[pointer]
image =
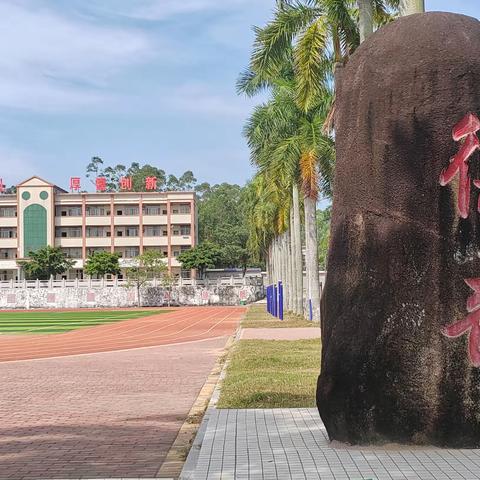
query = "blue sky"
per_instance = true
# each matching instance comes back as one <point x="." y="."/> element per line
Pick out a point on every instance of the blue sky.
<point x="151" y="81"/>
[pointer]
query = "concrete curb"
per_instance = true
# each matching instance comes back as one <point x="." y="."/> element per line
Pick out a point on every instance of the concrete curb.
<point x="190" y="436"/>
<point x="190" y="465"/>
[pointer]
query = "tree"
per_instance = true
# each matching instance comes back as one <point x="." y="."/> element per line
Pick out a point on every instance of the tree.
<point x="139" y="175"/>
<point x="168" y="281"/>
<point x="409" y="7"/>
<point x="235" y="256"/>
<point x="206" y="255"/>
<point x="323" y="235"/>
<point x="102" y="263"/>
<point x="147" y="266"/>
<point x="365" y="19"/>
<point x="46" y="262"/>
<point x="287" y="141"/>
<point x="314" y="35"/>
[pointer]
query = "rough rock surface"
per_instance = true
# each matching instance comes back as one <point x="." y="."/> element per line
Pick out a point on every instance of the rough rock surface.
<point x="399" y="250"/>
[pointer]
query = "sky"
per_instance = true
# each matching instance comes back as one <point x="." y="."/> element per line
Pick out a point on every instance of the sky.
<point x="148" y="81"/>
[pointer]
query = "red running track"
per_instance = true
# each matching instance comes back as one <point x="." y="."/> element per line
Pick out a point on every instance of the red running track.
<point x="181" y="325"/>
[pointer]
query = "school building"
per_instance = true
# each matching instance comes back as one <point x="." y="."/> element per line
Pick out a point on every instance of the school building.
<point x="125" y="222"/>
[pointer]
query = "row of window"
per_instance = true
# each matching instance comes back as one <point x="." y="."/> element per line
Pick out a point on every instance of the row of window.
<point x="101" y="232"/>
<point x="127" y="252"/>
<point x="102" y="211"/>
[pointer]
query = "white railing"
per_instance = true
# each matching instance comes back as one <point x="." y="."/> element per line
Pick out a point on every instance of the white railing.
<point x="231" y="280"/>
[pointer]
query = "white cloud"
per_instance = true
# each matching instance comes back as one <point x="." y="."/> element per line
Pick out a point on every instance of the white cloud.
<point x="202" y="100"/>
<point x="163" y="9"/>
<point x="53" y="62"/>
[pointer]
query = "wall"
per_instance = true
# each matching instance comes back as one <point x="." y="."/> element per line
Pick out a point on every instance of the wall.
<point x="113" y="297"/>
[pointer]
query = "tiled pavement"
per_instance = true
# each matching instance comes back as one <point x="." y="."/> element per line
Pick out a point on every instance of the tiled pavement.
<point x="104" y="415"/>
<point x="292" y="444"/>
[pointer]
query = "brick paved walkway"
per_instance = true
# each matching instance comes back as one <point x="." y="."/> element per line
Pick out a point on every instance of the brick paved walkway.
<point x="101" y="415"/>
<point x="181" y="325"/>
<point x="292" y="444"/>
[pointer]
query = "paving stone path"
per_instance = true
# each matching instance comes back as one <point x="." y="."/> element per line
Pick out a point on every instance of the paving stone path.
<point x="292" y="444"/>
<point x="112" y="414"/>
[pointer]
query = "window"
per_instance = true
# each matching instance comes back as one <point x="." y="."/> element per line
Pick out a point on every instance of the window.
<point x="152" y="210"/>
<point x="131" y="252"/>
<point x="131" y="211"/>
<point x="97" y="232"/>
<point x="119" y="212"/>
<point x="74" y="211"/>
<point x="8" y="253"/>
<point x="72" y="252"/>
<point x="8" y="212"/>
<point x="131" y="232"/>
<point x="152" y="231"/>
<point x="181" y="208"/>
<point x="164" y="232"/>
<point x="68" y="232"/>
<point x="164" y="211"/>
<point x="184" y="229"/>
<point x="119" y="233"/>
<point x="97" y="211"/>
<point x="8" y="233"/>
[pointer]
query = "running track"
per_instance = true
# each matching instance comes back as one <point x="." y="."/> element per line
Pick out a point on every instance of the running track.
<point x="180" y="326"/>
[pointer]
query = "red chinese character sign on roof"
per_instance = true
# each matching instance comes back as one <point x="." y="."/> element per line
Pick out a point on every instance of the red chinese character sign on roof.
<point x="464" y="130"/>
<point x="75" y="184"/>
<point x="470" y="324"/>
<point x="151" y="183"/>
<point x="2" y="186"/>
<point x="101" y="184"/>
<point x="126" y="183"/>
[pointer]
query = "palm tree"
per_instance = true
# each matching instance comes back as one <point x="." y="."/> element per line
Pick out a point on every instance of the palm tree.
<point x="316" y="34"/>
<point x="287" y="143"/>
<point x="409" y="7"/>
<point x="365" y="19"/>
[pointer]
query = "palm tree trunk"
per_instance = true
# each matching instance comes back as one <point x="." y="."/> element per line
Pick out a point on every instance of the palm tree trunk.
<point x="409" y="7"/>
<point x="311" y="256"/>
<point x="293" y="276"/>
<point x="298" y="251"/>
<point x="365" y="19"/>
<point x="289" y="283"/>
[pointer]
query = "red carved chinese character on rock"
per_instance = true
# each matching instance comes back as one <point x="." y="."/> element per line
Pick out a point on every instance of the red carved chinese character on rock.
<point x="2" y="186"/>
<point x="75" y="184"/>
<point x="126" y="183"/>
<point x="101" y="184"/>
<point x="464" y="130"/>
<point x="470" y="324"/>
<point x="151" y="183"/>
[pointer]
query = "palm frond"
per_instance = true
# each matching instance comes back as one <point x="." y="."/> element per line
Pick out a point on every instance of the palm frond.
<point x="311" y="63"/>
<point x="309" y="174"/>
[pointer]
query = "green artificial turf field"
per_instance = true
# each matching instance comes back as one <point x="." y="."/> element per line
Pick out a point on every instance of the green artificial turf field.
<point x="58" y="322"/>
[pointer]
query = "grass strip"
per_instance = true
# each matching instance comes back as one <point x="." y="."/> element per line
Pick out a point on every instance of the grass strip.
<point x="271" y="374"/>
<point x="258" y="317"/>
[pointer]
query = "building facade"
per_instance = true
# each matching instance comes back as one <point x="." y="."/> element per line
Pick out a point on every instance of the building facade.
<point x="127" y="223"/>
